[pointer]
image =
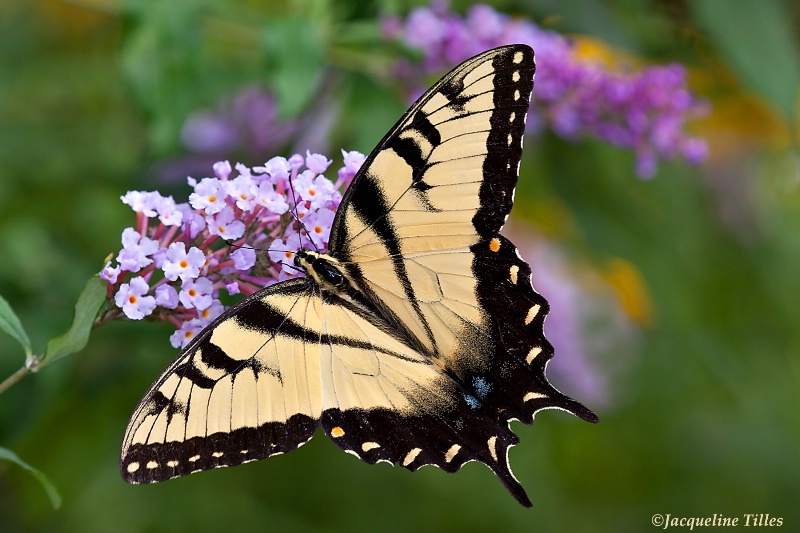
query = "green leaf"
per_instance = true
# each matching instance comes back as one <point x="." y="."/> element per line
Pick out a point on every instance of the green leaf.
<point x="47" y="484"/>
<point x="756" y="39"/>
<point x="89" y="302"/>
<point x="11" y="325"/>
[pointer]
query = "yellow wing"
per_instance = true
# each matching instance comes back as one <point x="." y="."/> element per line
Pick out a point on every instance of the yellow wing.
<point x="287" y="360"/>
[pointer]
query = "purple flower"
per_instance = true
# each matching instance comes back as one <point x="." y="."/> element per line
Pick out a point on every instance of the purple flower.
<point x="196" y="293"/>
<point x="282" y="252"/>
<point x="168" y="212"/>
<point x="267" y="196"/>
<point x="212" y="311"/>
<point x="644" y="111"/>
<point x="142" y="202"/>
<point x="424" y="29"/>
<point x="232" y="287"/>
<point x="209" y="195"/>
<point x="352" y="162"/>
<point x="695" y="150"/>
<point x="110" y="273"/>
<point x="296" y="162"/>
<point x="225" y="225"/>
<point x="182" y="264"/>
<point x="319" y="227"/>
<point x="167" y="297"/>
<point x="193" y="222"/>
<point x="277" y="168"/>
<point x="136" y="251"/>
<point x="243" y="205"/>
<point x="315" y="190"/>
<point x="244" y="258"/>
<point x="484" y="23"/>
<point x="131" y="298"/>
<point x="242" y="189"/>
<point x="187" y="332"/>
<point x="317" y="163"/>
<point x="222" y="169"/>
<point x="209" y="132"/>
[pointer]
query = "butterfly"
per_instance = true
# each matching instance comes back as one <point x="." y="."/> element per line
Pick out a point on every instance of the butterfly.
<point x="415" y="340"/>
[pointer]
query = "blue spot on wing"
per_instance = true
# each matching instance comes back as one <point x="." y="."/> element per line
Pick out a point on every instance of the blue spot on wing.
<point x="481" y="386"/>
<point x="472" y="401"/>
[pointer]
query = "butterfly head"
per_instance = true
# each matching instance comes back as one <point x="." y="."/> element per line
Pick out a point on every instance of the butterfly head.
<point x="323" y="269"/>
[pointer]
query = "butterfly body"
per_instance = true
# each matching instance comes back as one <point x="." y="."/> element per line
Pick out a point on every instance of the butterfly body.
<point x="415" y="340"/>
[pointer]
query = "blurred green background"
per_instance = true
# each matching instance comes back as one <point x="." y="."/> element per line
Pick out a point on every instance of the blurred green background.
<point x="703" y="415"/>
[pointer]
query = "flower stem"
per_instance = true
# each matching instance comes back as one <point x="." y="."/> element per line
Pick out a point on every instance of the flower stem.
<point x="13" y="378"/>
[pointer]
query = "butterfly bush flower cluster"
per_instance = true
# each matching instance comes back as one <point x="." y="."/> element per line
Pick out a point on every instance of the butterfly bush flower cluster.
<point x="180" y="257"/>
<point x="645" y="111"/>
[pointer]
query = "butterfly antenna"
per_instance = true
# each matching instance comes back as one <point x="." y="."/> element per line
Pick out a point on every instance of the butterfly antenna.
<point x="297" y="218"/>
<point x="283" y="263"/>
<point x="230" y="244"/>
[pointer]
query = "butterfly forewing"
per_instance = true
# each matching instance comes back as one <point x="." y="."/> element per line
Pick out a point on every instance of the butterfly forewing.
<point x="225" y="399"/>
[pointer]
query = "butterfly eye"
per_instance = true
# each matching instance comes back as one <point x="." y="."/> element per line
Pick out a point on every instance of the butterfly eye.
<point x="300" y="254"/>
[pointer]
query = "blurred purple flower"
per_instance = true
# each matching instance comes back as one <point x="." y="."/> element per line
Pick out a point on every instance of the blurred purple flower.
<point x="644" y="111"/>
<point x="246" y="123"/>
<point x="590" y="332"/>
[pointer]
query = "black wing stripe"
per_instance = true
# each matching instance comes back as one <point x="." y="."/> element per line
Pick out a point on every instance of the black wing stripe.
<point x="504" y="156"/>
<point x="371" y="207"/>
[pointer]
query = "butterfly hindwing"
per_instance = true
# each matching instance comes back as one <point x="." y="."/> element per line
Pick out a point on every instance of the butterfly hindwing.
<point x="447" y="438"/>
<point x="515" y="381"/>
